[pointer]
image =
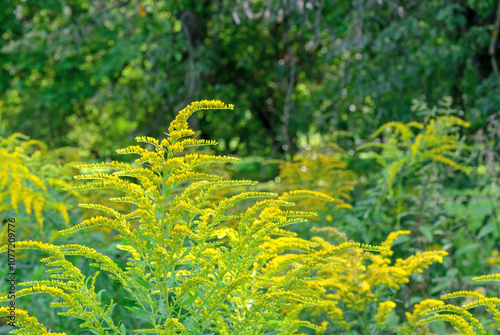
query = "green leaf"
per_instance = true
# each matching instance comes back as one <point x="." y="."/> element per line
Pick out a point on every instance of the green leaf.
<point x="138" y="262"/>
<point x="87" y="280"/>
<point x="191" y="298"/>
<point x="162" y="307"/>
<point x="200" y="293"/>
<point x="216" y="275"/>
<point x="158" y="214"/>
<point x="150" y="196"/>
<point x="467" y="248"/>
<point x="186" y="252"/>
<point x="427" y="232"/>
<point x="401" y="239"/>
<point x="145" y="284"/>
<point x="452" y="273"/>
<point x="110" y="308"/>
<point x="99" y="295"/>
<point x="488" y="228"/>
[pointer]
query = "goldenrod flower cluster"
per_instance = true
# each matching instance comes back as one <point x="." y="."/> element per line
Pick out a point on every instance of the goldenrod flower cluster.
<point x="494" y="259"/>
<point x="26" y="324"/>
<point x="358" y="280"/>
<point x="384" y="308"/>
<point x="21" y="181"/>
<point x="459" y="317"/>
<point x="435" y="142"/>
<point x="313" y="169"/>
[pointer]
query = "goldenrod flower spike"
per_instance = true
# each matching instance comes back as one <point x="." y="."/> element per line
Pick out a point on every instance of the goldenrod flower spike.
<point x="491" y="277"/>
<point x="26" y="324"/>
<point x="456" y="321"/>
<point x="403" y="148"/>
<point x="462" y="320"/>
<point x="21" y="181"/>
<point x="384" y="308"/>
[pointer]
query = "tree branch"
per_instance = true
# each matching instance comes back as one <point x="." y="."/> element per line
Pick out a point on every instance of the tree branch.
<point x="493" y="42"/>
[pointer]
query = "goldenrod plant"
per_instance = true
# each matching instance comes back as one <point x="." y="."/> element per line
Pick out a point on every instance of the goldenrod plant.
<point x="413" y="145"/>
<point x="26" y="323"/>
<point x="320" y="167"/>
<point x="192" y="268"/>
<point x="414" y="159"/>
<point x="360" y="287"/>
<point x="413" y="326"/>
<point x="458" y="316"/>
<point x="30" y="183"/>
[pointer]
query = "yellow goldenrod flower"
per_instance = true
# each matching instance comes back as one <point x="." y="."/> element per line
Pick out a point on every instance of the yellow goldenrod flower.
<point x="384" y="308"/>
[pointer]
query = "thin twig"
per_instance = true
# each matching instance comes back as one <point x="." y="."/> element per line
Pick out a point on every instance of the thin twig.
<point x="493" y="42"/>
<point x="191" y="76"/>
<point x="288" y="100"/>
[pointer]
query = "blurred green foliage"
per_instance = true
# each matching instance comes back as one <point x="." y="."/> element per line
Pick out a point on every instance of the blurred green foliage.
<point x="74" y="70"/>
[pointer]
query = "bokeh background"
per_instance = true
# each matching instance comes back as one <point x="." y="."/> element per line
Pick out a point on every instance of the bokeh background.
<point x="95" y="74"/>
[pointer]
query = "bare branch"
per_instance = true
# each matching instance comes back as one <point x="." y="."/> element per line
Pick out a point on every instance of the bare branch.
<point x="493" y="42"/>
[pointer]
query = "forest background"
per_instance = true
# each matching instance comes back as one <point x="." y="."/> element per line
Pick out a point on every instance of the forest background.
<point x="311" y="82"/>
